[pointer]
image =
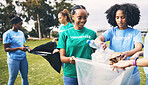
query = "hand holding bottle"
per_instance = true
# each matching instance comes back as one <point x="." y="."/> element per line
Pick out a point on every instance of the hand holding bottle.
<point x="103" y="45"/>
<point x="97" y="45"/>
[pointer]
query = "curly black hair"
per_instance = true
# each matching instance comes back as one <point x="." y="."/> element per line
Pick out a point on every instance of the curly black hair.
<point x="131" y="12"/>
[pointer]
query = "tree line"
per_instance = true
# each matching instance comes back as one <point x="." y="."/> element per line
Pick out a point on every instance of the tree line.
<point x="43" y="12"/>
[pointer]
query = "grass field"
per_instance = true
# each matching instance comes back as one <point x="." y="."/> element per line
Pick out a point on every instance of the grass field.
<point x="40" y="71"/>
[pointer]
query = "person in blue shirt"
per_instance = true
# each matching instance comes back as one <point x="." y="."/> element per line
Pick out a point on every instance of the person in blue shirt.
<point x="13" y="41"/>
<point x="143" y="62"/>
<point x="123" y="37"/>
<point x="146" y="56"/>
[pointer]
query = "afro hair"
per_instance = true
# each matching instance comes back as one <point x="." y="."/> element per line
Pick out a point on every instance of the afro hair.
<point x="131" y="12"/>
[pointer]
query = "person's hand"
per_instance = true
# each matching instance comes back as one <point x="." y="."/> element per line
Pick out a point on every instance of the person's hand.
<point x="124" y="55"/>
<point x="55" y="50"/>
<point x="122" y="65"/>
<point x="115" y="57"/>
<point x="72" y="60"/>
<point x="117" y="69"/>
<point x="134" y="56"/>
<point x="54" y="40"/>
<point x="22" y="49"/>
<point x="28" y="49"/>
<point x="102" y="45"/>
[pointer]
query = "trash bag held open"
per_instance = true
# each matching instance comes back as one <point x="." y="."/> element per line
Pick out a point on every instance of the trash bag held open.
<point x="98" y="71"/>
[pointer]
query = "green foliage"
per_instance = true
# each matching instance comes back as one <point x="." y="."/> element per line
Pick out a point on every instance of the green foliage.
<point x="55" y="34"/>
<point x="59" y="6"/>
<point x="47" y="13"/>
<point x="26" y="33"/>
<point x="33" y="33"/>
<point x="5" y="12"/>
<point x="46" y="9"/>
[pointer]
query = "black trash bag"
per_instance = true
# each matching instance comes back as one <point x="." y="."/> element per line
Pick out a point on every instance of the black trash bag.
<point x="47" y="47"/>
<point x="45" y="50"/>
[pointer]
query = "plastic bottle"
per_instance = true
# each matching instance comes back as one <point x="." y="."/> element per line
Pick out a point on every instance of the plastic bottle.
<point x="92" y="44"/>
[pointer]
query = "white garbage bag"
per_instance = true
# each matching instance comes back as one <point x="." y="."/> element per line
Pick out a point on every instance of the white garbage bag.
<point x="102" y="56"/>
<point x="91" y="72"/>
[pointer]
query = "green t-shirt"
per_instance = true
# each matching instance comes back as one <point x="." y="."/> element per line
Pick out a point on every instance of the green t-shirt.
<point x="63" y="28"/>
<point x="74" y="41"/>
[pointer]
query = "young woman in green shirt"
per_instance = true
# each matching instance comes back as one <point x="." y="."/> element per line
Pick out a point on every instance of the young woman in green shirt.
<point x="64" y="18"/>
<point x="72" y="44"/>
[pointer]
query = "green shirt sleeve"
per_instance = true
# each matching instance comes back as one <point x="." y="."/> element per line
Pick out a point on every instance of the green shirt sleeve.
<point x="62" y="41"/>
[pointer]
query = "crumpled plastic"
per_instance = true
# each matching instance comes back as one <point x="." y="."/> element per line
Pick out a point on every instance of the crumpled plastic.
<point x="98" y="71"/>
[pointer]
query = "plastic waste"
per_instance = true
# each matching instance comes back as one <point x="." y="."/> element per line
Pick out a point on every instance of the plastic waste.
<point x="100" y="55"/>
<point x="92" y="44"/>
<point x="94" y="73"/>
<point x="98" y="71"/>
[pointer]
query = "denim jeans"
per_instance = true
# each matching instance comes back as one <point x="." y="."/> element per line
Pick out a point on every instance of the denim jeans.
<point x="146" y="79"/>
<point x="135" y="78"/>
<point x="70" y="81"/>
<point x="14" y="66"/>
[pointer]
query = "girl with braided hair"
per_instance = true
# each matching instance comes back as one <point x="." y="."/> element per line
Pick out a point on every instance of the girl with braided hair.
<point x="72" y="44"/>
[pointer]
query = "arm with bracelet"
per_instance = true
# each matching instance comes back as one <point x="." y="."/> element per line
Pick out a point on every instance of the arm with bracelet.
<point x="142" y="62"/>
<point x="134" y="61"/>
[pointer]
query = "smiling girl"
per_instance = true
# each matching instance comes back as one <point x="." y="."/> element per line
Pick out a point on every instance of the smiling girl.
<point x="72" y="44"/>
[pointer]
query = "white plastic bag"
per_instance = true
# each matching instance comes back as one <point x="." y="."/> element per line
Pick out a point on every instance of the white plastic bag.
<point x="102" y="56"/>
<point x="98" y="71"/>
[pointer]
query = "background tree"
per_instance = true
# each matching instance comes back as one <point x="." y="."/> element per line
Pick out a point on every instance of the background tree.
<point x="32" y="7"/>
<point x="5" y="12"/>
<point x="59" y="6"/>
<point x="45" y="9"/>
<point x="47" y="13"/>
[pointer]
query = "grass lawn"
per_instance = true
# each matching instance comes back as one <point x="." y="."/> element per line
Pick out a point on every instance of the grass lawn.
<point x="40" y="71"/>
